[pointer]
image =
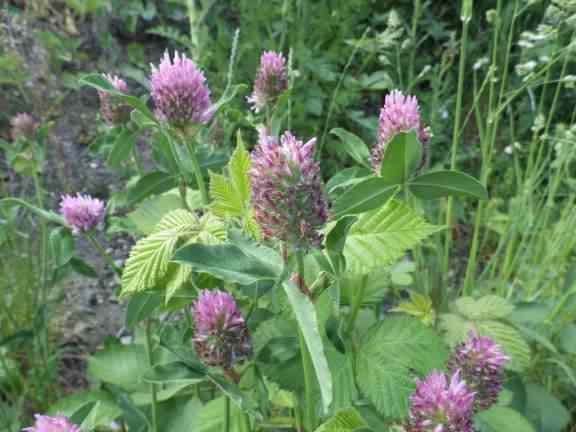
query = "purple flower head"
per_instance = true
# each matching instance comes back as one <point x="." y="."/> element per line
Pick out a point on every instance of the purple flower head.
<point x="440" y="404"/>
<point x="23" y="125"/>
<point x="114" y="111"/>
<point x="179" y="91"/>
<point x="220" y="334"/>
<point x="57" y="423"/>
<point x="399" y="114"/>
<point x="288" y="195"/>
<point x="271" y="80"/>
<point x="481" y="364"/>
<point x="82" y="212"/>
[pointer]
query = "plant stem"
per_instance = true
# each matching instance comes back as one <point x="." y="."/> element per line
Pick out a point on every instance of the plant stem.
<point x="198" y="173"/>
<point x="307" y="367"/>
<point x="356" y="304"/>
<point x="226" y="414"/>
<point x="105" y="256"/>
<point x="437" y="290"/>
<point x="152" y="386"/>
<point x="415" y="20"/>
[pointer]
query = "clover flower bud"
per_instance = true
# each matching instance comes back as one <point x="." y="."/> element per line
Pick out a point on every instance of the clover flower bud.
<point x="23" y="125"/>
<point x="271" y="80"/>
<point x="112" y="109"/>
<point x="82" y="212"/>
<point x="57" y="423"/>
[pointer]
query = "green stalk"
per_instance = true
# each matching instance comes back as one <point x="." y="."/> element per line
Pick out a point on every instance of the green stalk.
<point x="307" y="366"/>
<point x="437" y="291"/>
<point x="226" y="414"/>
<point x="415" y="19"/>
<point x="356" y="304"/>
<point x="152" y="386"/>
<point x="100" y="250"/>
<point x="198" y="174"/>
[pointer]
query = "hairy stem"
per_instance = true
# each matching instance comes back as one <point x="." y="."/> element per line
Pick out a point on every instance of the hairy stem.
<point x="105" y="256"/>
<point x="152" y="386"/>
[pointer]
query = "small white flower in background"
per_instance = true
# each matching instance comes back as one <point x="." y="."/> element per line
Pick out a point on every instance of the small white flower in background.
<point x="569" y="81"/>
<point x="481" y="62"/>
<point x="525" y="68"/>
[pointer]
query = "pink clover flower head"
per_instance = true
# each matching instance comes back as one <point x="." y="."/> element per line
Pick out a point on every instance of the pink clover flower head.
<point x="114" y="111"/>
<point x="221" y="336"/>
<point x="181" y="96"/>
<point x="399" y="114"/>
<point x="481" y="364"/>
<point x="271" y="80"/>
<point x="288" y="196"/>
<point x="82" y="212"/>
<point x="441" y="404"/>
<point x="23" y="125"/>
<point x="58" y="423"/>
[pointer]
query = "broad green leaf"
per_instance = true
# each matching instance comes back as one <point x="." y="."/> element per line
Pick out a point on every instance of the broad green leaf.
<point x="502" y="419"/>
<point x="307" y="319"/>
<point x="174" y="373"/>
<point x="123" y="145"/>
<point x="141" y="306"/>
<point x="389" y="355"/>
<point x="154" y="183"/>
<point x="336" y="238"/>
<point x="568" y="339"/>
<point x="381" y="236"/>
<point x="227" y="262"/>
<point x="447" y="183"/>
<point x="149" y="260"/>
<point x="102" y="408"/>
<point x="122" y="365"/>
<point x="209" y="418"/>
<point x="354" y="146"/>
<point x="545" y="411"/>
<point x="346" y="420"/>
<point x="401" y="157"/>
<point x="487" y="307"/>
<point x="364" y="196"/>
<point x="342" y="368"/>
<point x="83" y="268"/>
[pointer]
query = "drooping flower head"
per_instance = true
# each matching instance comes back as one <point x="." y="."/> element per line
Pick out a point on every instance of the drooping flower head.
<point x="288" y="196"/>
<point x="181" y="96"/>
<point x="82" y="212"/>
<point x="399" y="114"/>
<point x="481" y="364"/>
<point x="271" y="80"/>
<point x="23" y="125"/>
<point x="440" y="404"/>
<point x="221" y="337"/>
<point x="57" y="423"/>
<point x="114" y="111"/>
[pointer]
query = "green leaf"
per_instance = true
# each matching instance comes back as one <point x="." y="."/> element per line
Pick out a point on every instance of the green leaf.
<point x="81" y="267"/>
<point x="231" y="194"/>
<point x="346" y="420"/>
<point x="61" y="246"/>
<point x="545" y="411"/>
<point x="174" y="373"/>
<point x="336" y="238"/>
<point x="307" y="319"/>
<point x="502" y="419"/>
<point x="402" y="155"/>
<point x="568" y="339"/>
<point x="149" y="260"/>
<point x="342" y="367"/>
<point x="123" y="145"/>
<point x="389" y="354"/>
<point x="447" y="183"/>
<point x="140" y="307"/>
<point x="102" y="408"/>
<point x="227" y="262"/>
<point x="487" y="307"/>
<point x="154" y="183"/>
<point x="354" y="146"/>
<point x="122" y="365"/>
<point x="364" y="196"/>
<point x="384" y="235"/>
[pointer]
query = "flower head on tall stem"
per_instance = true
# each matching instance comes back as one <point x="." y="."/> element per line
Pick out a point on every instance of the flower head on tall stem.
<point x="114" y="111"/>
<point x="440" y="404"/>
<point x="181" y="96"/>
<point x="23" y="125"/>
<point x="58" y="423"/>
<point x="399" y="114"/>
<point x="82" y="212"/>
<point x="288" y="195"/>
<point x="271" y="81"/>
<point x="481" y="364"/>
<point x="221" y="336"/>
